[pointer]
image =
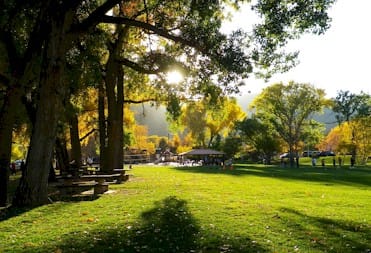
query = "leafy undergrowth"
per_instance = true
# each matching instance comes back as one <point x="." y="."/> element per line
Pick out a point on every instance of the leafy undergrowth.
<point x="205" y="209"/>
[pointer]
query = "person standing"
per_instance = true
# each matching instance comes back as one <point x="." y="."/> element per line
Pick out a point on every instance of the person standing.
<point x="297" y="161"/>
<point x="12" y="167"/>
<point x="352" y="161"/>
<point x="314" y="161"/>
<point x="23" y="167"/>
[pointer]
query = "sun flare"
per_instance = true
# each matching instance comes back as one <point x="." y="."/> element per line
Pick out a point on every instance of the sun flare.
<point x="174" y="77"/>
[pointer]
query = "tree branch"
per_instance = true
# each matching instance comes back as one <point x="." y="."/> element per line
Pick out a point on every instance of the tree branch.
<point x="135" y="66"/>
<point x="95" y="17"/>
<point x="87" y="135"/>
<point x="146" y="26"/>
<point x="131" y="101"/>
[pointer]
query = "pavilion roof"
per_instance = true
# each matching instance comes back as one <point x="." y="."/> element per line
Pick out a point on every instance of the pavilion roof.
<point x="202" y="152"/>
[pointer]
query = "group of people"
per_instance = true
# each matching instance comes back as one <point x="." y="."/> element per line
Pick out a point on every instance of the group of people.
<point x="13" y="167"/>
<point x="340" y="161"/>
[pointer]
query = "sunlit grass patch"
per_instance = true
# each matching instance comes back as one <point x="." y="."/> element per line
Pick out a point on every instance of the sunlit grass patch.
<point x="201" y="209"/>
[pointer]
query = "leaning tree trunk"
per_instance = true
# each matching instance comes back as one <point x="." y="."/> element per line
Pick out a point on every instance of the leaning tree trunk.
<point x="33" y="187"/>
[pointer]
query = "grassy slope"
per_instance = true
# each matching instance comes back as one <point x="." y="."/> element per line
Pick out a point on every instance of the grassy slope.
<point x="249" y="209"/>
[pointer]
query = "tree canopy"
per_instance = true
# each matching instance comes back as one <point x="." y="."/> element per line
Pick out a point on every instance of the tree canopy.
<point x="287" y="108"/>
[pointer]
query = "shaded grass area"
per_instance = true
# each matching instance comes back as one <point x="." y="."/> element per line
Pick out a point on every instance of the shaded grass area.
<point x="360" y="176"/>
<point x="204" y="209"/>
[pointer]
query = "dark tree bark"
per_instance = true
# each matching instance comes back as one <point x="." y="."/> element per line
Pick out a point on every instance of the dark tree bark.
<point x="7" y="117"/>
<point x="115" y="88"/>
<point x="75" y="141"/>
<point x="102" y="127"/>
<point x="62" y="155"/>
<point x="114" y="85"/>
<point x="33" y="187"/>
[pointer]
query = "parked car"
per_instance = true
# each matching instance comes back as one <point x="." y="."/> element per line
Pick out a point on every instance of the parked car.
<point x="287" y="155"/>
<point x="326" y="153"/>
<point x="284" y="155"/>
<point x="310" y="153"/>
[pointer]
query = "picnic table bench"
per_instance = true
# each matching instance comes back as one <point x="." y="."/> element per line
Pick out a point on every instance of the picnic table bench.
<point x="124" y="177"/>
<point x="103" y="181"/>
<point x="98" y="182"/>
<point x="76" y="187"/>
<point x="90" y="169"/>
<point x="101" y="178"/>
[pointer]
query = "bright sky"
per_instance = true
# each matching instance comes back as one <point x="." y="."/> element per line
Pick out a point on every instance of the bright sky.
<point x="338" y="60"/>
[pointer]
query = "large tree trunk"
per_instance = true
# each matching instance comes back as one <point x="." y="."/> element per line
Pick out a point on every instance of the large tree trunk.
<point x="115" y="100"/>
<point x="102" y="128"/>
<point x="7" y="116"/>
<point x="33" y="187"/>
<point x="115" y="116"/>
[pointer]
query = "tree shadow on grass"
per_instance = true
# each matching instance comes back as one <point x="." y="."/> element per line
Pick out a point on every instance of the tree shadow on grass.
<point x="328" y="176"/>
<point x="328" y="235"/>
<point x="10" y="211"/>
<point x="168" y="227"/>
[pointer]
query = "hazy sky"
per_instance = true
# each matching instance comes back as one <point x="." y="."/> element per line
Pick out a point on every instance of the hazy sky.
<point x="338" y="60"/>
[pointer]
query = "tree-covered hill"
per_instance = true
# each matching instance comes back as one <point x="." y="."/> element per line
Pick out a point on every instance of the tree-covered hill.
<point x="155" y="117"/>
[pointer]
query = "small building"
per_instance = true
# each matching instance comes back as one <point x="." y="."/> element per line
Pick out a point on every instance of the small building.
<point x="203" y="156"/>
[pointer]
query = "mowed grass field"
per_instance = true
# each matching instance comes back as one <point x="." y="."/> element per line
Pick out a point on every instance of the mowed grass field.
<point x="252" y="208"/>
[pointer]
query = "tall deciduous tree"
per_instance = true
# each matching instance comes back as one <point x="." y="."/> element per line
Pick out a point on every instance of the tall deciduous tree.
<point x="313" y="133"/>
<point x="287" y="109"/>
<point x="261" y="137"/>
<point x="205" y="122"/>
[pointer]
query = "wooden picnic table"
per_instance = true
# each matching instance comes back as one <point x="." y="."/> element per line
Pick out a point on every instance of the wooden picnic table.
<point x="90" y="169"/>
<point x="99" y="182"/>
<point x="101" y="178"/>
<point x="124" y="176"/>
<point x="103" y="181"/>
<point x="77" y="187"/>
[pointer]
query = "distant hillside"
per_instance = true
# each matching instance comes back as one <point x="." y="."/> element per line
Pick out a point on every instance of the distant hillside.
<point x="245" y="100"/>
<point x="328" y="118"/>
<point x="152" y="117"/>
<point x="155" y="117"/>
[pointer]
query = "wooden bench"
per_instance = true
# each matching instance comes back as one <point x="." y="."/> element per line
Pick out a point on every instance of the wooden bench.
<point x="76" y="187"/>
<point x="124" y="177"/>
<point x="90" y="169"/>
<point x="101" y="178"/>
<point x="73" y="185"/>
<point x="67" y="179"/>
<point x="101" y="188"/>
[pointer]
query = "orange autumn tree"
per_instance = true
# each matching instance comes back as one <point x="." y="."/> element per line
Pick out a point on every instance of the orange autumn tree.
<point x="354" y="111"/>
<point x="337" y="139"/>
<point x="141" y="141"/>
<point x="340" y="139"/>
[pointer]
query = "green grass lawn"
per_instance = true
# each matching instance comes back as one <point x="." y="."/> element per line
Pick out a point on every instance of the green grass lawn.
<point x="200" y="209"/>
